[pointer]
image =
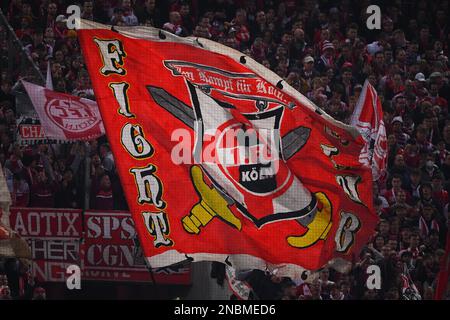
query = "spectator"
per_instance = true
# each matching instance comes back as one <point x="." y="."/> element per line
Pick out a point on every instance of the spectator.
<point x="308" y="73"/>
<point x="118" y="18"/>
<point x="68" y="194"/>
<point x="316" y="291"/>
<point x="239" y="25"/>
<point x="103" y="199"/>
<point x="107" y="158"/>
<point x="439" y="194"/>
<point x="148" y="14"/>
<point x="42" y="190"/>
<point x="397" y="128"/>
<point x="88" y="10"/>
<point x="130" y="18"/>
<point x="21" y="191"/>
<point x="426" y="196"/>
<point x="60" y="29"/>
<point x="346" y="290"/>
<point x="265" y="286"/>
<point x="392" y="194"/>
<point x="327" y="58"/>
<point x="5" y="293"/>
<point x="187" y="18"/>
<point x="325" y="284"/>
<point x="39" y="293"/>
<point x="49" y="18"/>
<point x="427" y="221"/>
<point x="413" y="248"/>
<point x="175" y="24"/>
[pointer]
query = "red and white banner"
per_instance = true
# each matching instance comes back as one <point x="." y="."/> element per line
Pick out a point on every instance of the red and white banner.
<point x="221" y="159"/>
<point x="111" y="254"/>
<point x="31" y="132"/>
<point x="368" y="118"/>
<point x="54" y="237"/>
<point x="104" y="247"/>
<point x="63" y="116"/>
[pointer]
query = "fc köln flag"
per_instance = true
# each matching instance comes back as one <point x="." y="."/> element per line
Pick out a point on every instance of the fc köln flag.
<point x="368" y="118"/>
<point x="63" y="116"/>
<point x="220" y="159"/>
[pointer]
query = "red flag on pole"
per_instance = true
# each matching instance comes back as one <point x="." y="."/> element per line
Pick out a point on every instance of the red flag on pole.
<point x="220" y="159"/>
<point x="49" y="79"/>
<point x="368" y="118"/>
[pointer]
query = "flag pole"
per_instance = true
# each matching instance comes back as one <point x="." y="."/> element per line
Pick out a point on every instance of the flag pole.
<point x="152" y="275"/>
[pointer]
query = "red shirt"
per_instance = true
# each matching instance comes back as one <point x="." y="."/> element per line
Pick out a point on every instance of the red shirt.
<point x="303" y="290"/>
<point x="104" y="200"/>
<point x="441" y="197"/>
<point x="436" y="101"/>
<point x="412" y="160"/>
<point x="242" y="34"/>
<point x="391" y="196"/>
<point x="420" y="92"/>
<point x="42" y="195"/>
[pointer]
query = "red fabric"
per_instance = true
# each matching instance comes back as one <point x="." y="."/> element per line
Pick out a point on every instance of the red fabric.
<point x="104" y="200"/>
<point x="63" y="116"/>
<point x="4" y="233"/>
<point x="112" y="233"/>
<point x="310" y="167"/>
<point x="101" y="243"/>
<point x="412" y="160"/>
<point x="54" y="236"/>
<point x="302" y="290"/>
<point x="442" y="280"/>
<point x="424" y="227"/>
<point x="242" y="34"/>
<point x="368" y="118"/>
<point x="43" y="195"/>
<point x="441" y="197"/>
<point x="391" y="196"/>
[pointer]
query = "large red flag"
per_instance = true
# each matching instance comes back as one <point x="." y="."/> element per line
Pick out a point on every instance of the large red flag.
<point x="220" y="159"/>
<point x="368" y="118"/>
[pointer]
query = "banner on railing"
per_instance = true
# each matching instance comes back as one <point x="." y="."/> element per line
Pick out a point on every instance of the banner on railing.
<point x="112" y="253"/>
<point x="30" y="131"/>
<point x="54" y="237"/>
<point x="103" y="244"/>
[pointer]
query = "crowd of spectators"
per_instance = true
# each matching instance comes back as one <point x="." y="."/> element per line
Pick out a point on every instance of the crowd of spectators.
<point x="324" y="50"/>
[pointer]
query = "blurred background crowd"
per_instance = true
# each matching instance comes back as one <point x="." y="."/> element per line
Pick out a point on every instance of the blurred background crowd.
<point x="324" y="50"/>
